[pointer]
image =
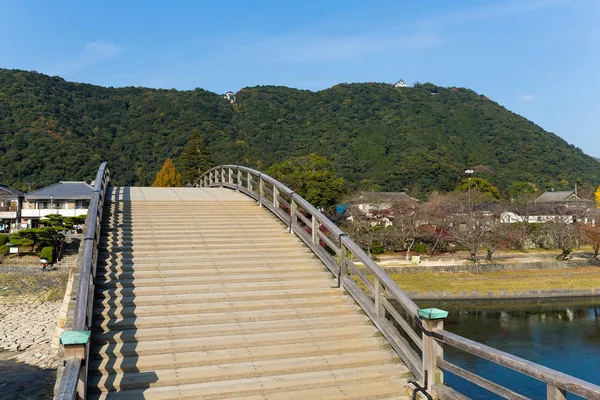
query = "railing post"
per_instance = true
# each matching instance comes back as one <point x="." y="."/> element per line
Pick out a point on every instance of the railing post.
<point x="261" y="190"/>
<point x="275" y="197"/>
<point x="554" y="393"/>
<point x="222" y="176"/>
<point x="293" y="216"/>
<point x="230" y="176"/>
<point x="239" y="178"/>
<point x="379" y="292"/>
<point x="249" y="182"/>
<point x="432" y="320"/>
<point x="314" y="228"/>
<point x="210" y="178"/>
<point x="343" y="266"/>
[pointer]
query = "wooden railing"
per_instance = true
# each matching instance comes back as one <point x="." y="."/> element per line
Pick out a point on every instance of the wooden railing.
<point x="418" y="340"/>
<point x="73" y="383"/>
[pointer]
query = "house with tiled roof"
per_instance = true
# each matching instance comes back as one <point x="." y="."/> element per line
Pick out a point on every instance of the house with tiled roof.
<point x="564" y="206"/>
<point x="11" y="202"/>
<point x="69" y="199"/>
<point x="558" y="197"/>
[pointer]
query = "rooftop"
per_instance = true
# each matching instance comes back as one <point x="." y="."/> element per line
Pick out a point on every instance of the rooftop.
<point x="63" y="190"/>
<point x="374" y="197"/>
<point x="7" y="191"/>
<point x="550" y="197"/>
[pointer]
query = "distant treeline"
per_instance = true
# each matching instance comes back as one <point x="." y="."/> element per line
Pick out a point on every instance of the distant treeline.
<point x="377" y="136"/>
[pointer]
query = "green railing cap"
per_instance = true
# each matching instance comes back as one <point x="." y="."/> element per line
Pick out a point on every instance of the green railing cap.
<point x="75" y="337"/>
<point x="432" y="313"/>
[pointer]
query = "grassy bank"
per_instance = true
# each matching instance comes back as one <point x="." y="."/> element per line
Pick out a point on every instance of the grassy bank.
<point x="48" y="286"/>
<point x="500" y="282"/>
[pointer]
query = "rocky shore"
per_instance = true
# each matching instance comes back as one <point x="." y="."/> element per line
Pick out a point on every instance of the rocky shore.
<point x="27" y="330"/>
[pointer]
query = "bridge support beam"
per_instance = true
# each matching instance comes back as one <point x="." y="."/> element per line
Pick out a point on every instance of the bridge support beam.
<point x="432" y="320"/>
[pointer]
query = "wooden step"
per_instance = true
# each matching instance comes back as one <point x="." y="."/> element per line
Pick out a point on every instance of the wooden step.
<point x="187" y="331"/>
<point x="213" y="373"/>
<point x="120" y="323"/>
<point x="104" y="300"/>
<point x="214" y="287"/>
<point x="227" y="356"/>
<point x="264" y="385"/>
<point x="131" y="349"/>
<point x="169" y="281"/>
<point x="218" y="307"/>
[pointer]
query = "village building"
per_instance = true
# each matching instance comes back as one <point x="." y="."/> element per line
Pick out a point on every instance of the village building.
<point x="11" y="202"/>
<point x="563" y="206"/>
<point x="69" y="199"/>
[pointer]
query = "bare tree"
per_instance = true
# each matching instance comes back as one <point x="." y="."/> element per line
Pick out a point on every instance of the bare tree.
<point x="470" y="227"/>
<point x="437" y="216"/>
<point x="561" y="228"/>
<point x="361" y="227"/>
<point x="406" y="218"/>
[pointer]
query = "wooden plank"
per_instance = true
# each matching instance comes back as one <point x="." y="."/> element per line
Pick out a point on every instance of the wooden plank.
<point x="480" y="381"/>
<point x="333" y="246"/>
<point x="392" y="287"/>
<point x="403" y="323"/>
<point x="362" y="277"/>
<point x="388" y="330"/>
<point x="544" y="374"/>
<point x="67" y="387"/>
<point x="305" y="220"/>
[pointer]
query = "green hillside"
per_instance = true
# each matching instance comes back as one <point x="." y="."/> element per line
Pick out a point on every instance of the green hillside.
<point x="377" y="135"/>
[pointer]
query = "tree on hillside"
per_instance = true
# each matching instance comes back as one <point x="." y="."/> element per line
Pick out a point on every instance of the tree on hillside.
<point x="167" y="176"/>
<point x="196" y="158"/>
<point x="312" y="177"/>
<point x="518" y="190"/>
<point x="479" y="185"/>
<point x="597" y="196"/>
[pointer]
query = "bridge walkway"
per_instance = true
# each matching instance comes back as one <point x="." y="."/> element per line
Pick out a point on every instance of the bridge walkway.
<point x="201" y="294"/>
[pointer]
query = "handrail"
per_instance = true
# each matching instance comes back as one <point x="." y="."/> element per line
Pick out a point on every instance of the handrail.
<point x="73" y="382"/>
<point x="324" y="238"/>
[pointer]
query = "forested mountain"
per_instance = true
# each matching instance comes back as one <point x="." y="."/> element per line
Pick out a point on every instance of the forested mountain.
<point x="378" y="136"/>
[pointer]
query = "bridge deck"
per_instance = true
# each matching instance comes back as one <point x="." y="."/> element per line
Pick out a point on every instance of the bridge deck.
<point x="202" y="294"/>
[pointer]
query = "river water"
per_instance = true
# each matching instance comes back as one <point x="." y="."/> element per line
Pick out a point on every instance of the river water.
<point x="563" y="334"/>
<point x="21" y="381"/>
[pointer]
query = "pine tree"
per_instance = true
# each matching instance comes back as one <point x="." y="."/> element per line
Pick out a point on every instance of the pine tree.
<point x="167" y="176"/>
<point x="196" y="158"/>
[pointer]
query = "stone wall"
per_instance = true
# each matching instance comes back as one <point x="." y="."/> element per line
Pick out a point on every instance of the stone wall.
<point x="485" y="267"/>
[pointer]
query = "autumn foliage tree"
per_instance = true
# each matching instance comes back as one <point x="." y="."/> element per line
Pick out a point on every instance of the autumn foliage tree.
<point x="167" y="176"/>
<point x="597" y="196"/>
<point x="592" y="234"/>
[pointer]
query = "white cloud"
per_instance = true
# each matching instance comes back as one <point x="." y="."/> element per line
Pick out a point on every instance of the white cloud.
<point x="101" y="50"/>
<point x="93" y="53"/>
<point x="526" y="97"/>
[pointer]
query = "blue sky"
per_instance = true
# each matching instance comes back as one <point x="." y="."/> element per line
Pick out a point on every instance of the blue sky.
<point x="538" y="58"/>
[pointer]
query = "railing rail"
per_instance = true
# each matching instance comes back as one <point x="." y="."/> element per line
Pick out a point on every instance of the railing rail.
<point x="73" y="383"/>
<point x="418" y="341"/>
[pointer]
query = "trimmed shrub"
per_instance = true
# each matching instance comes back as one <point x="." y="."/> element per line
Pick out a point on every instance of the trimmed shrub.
<point x="376" y="248"/>
<point x="48" y="254"/>
<point x="4" y="249"/>
<point x="3" y="239"/>
<point x="420" y="248"/>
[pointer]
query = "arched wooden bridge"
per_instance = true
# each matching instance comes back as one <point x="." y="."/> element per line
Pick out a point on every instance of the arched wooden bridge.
<point x="240" y="289"/>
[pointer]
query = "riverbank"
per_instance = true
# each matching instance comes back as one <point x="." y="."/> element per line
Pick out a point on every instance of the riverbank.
<point x="30" y="301"/>
<point x="547" y="283"/>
